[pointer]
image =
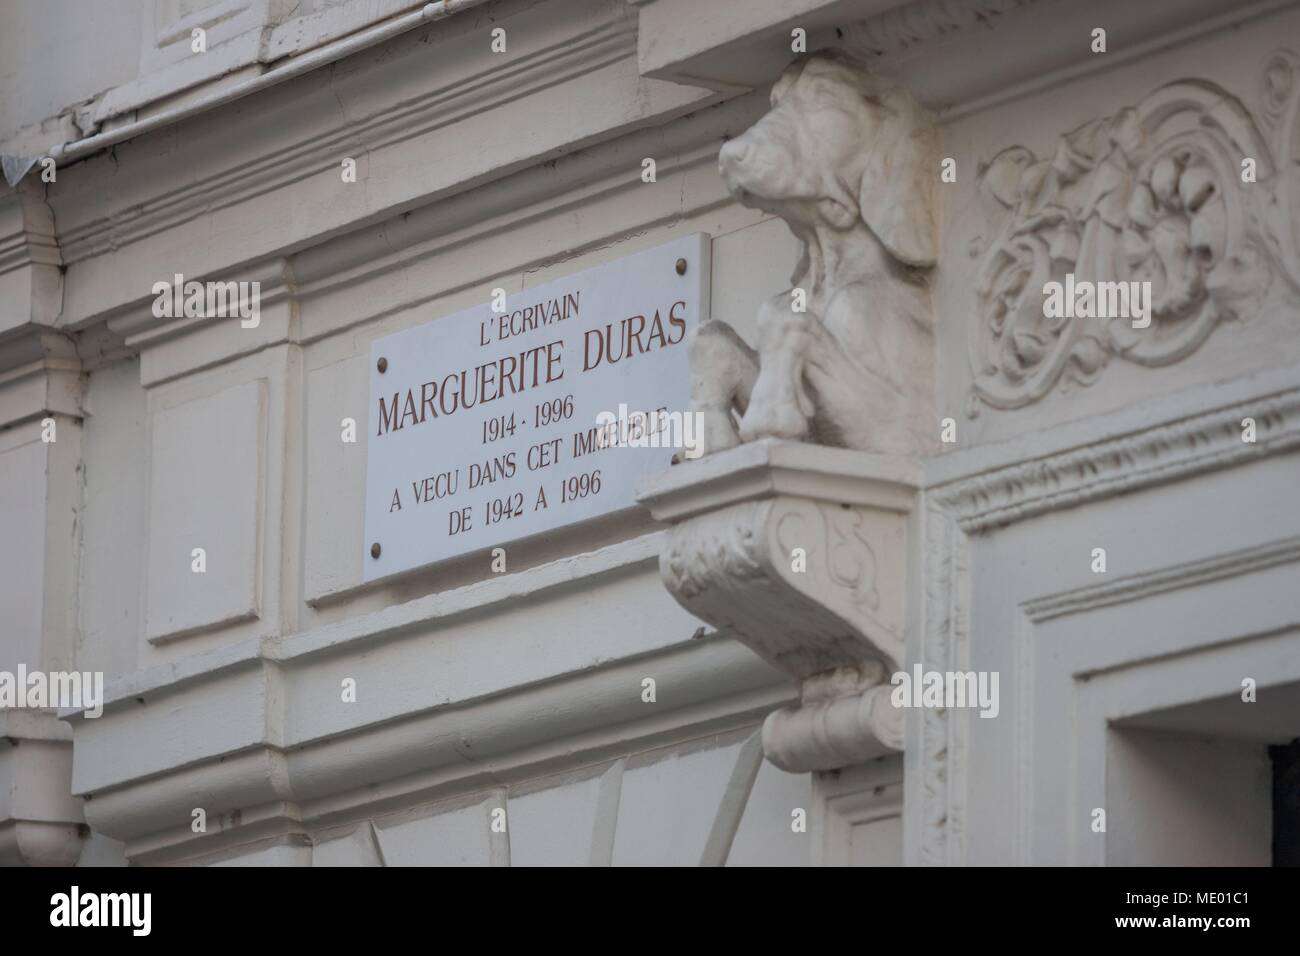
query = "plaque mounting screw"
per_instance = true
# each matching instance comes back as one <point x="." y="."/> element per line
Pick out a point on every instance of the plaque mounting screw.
<point x="375" y="549"/>
<point x="382" y="365"/>
<point x="681" y="267"/>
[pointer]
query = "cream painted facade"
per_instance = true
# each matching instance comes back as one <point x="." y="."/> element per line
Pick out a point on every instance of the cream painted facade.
<point x="517" y="699"/>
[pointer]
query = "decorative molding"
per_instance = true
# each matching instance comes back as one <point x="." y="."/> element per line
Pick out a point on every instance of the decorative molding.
<point x="1279" y="93"/>
<point x="1022" y="670"/>
<point x="732" y="568"/>
<point x="847" y="801"/>
<point x="1099" y="469"/>
<point x="40" y="371"/>
<point x="293" y="766"/>
<point x="1188" y="574"/>
<point x="27" y="235"/>
<point x="1131" y="587"/>
<point x="1157" y="455"/>
<point x="810" y="582"/>
<point x="445" y="227"/>
<point x="1277" y="85"/>
<point x="433" y="109"/>
<point x="944" y="640"/>
<point x="40" y="375"/>
<point x="332" y="773"/>
<point x="31" y="263"/>
<point x="916" y="24"/>
<point x="1151" y="194"/>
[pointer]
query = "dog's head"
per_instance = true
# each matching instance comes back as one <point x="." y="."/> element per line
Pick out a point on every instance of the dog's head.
<point x="837" y="146"/>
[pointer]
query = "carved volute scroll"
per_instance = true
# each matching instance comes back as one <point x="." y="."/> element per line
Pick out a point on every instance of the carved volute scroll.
<point x="800" y="553"/>
<point x="736" y="568"/>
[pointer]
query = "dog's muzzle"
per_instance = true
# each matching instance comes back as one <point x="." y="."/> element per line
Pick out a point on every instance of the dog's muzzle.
<point x="757" y="168"/>
<point x="745" y="170"/>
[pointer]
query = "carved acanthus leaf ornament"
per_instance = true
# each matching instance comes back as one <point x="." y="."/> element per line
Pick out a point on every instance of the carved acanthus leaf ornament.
<point x="1162" y="193"/>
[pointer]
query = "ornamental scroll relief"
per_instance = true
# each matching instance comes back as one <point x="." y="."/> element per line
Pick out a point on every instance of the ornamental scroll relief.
<point x="800" y="552"/>
<point x="732" y="568"/>
<point x="835" y="627"/>
<point x="1157" y="192"/>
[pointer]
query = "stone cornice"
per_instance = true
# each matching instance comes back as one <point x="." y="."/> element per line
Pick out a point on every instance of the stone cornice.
<point x="938" y="49"/>
<point x="272" y="786"/>
<point x="378" y="627"/>
<point x="768" y="468"/>
<point x="916" y="24"/>
<point x="420" y="136"/>
<point x="597" y="174"/>
<point x="33" y="391"/>
<point x="1187" y="574"/>
<point x="1179" y="447"/>
<point x="350" y="135"/>
<point x="40" y="373"/>
<point x="322" y="282"/>
<point x="26" y="233"/>
<point x="31" y="263"/>
<point x="280" y="762"/>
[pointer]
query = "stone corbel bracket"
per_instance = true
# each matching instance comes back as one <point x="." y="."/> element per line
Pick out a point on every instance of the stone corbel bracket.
<point x="800" y="552"/>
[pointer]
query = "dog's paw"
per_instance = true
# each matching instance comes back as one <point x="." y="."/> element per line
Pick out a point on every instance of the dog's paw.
<point x="774" y="420"/>
<point x="779" y="323"/>
<point x="714" y="432"/>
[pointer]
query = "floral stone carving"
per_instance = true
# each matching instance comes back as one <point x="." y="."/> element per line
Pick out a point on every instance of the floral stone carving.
<point x="1160" y="193"/>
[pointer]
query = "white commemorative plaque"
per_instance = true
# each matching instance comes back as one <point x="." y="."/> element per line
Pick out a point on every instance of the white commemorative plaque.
<point x="517" y="417"/>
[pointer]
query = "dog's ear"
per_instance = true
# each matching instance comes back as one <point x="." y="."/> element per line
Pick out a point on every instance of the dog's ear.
<point x="788" y="78"/>
<point x="896" y="195"/>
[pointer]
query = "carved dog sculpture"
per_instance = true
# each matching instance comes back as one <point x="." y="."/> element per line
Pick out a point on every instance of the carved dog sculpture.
<point x="849" y="163"/>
